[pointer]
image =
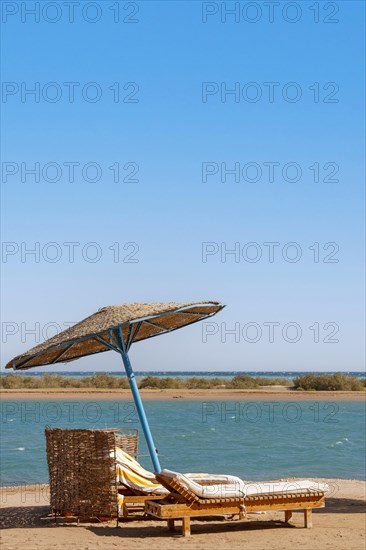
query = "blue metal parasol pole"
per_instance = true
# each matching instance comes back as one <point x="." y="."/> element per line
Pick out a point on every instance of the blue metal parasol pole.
<point x="139" y="406"/>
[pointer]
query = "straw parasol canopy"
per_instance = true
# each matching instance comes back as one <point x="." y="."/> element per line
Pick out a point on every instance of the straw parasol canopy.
<point x="135" y="321"/>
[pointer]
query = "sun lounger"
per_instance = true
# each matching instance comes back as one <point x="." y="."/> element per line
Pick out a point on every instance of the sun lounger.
<point x="144" y="484"/>
<point x="210" y="497"/>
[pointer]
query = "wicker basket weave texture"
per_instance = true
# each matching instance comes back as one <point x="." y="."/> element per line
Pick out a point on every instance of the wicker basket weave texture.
<point x="82" y="471"/>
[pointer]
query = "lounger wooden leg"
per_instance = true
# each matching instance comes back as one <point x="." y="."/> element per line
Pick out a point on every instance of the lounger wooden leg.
<point x="171" y="525"/>
<point x="288" y="515"/>
<point x="308" y="518"/>
<point x="186" y="526"/>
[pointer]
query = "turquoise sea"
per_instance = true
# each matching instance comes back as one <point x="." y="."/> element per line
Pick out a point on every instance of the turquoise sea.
<point x="252" y="439"/>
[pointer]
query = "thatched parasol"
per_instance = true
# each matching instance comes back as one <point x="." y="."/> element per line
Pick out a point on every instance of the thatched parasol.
<point x="117" y="328"/>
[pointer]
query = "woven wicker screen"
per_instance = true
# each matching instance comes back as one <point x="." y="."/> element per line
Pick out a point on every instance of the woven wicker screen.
<point x="82" y="469"/>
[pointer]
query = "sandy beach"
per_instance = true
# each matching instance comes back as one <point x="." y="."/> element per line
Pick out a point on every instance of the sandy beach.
<point x="26" y="523"/>
<point x="266" y="393"/>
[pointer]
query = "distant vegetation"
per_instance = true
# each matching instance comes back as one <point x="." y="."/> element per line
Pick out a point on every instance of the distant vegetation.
<point x="239" y="382"/>
<point x="100" y="380"/>
<point x="107" y="381"/>
<point x="243" y="381"/>
<point x="327" y="382"/>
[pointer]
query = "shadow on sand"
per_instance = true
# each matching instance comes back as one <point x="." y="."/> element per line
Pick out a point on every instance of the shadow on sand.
<point x="39" y="516"/>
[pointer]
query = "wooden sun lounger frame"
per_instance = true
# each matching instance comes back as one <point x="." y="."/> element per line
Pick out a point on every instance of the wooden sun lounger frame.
<point x="184" y="504"/>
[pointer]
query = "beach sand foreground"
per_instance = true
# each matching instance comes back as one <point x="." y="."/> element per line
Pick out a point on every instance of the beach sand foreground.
<point x="341" y="524"/>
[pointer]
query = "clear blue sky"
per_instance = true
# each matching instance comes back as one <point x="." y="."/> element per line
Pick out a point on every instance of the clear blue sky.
<point x="169" y="125"/>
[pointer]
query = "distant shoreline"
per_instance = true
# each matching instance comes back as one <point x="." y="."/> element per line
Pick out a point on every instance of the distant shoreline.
<point x="281" y="393"/>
